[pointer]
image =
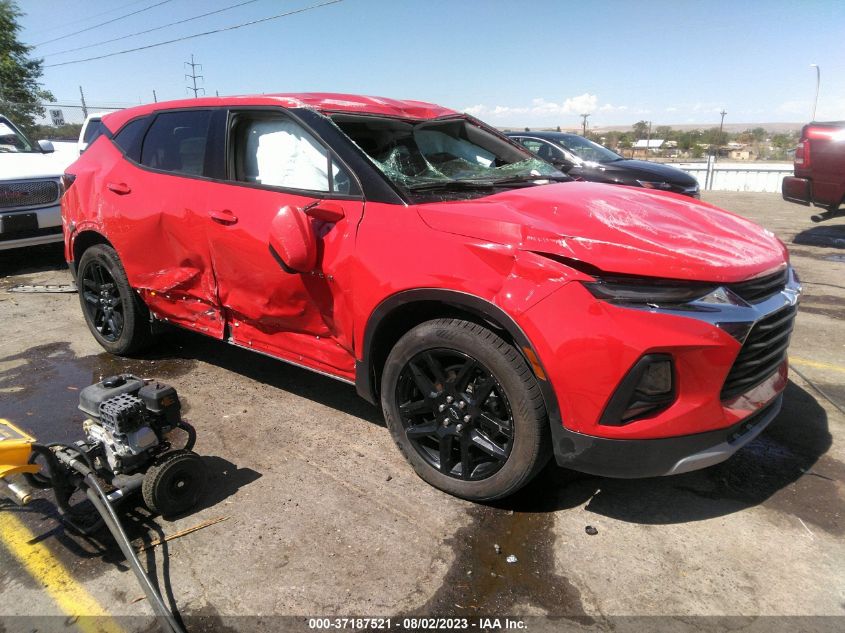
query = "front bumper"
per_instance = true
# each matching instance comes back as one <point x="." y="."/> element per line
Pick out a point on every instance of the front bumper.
<point x="49" y="228"/>
<point x="629" y="459"/>
<point x="718" y="387"/>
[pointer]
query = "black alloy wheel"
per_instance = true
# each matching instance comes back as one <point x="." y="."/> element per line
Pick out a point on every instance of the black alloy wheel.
<point x="103" y="303"/>
<point x="465" y="409"/>
<point x="115" y="314"/>
<point x="455" y="413"/>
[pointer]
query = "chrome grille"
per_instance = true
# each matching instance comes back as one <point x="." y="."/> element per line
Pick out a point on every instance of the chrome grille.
<point x="756" y="290"/>
<point x="33" y="193"/>
<point x="762" y="353"/>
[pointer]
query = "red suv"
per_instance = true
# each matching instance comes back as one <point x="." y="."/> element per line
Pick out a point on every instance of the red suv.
<point x="497" y="310"/>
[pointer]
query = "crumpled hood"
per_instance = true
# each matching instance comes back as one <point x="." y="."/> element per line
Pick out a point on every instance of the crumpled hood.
<point x="17" y="166"/>
<point x="622" y="230"/>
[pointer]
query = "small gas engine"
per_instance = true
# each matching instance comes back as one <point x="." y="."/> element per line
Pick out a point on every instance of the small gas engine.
<point x="129" y="418"/>
<point x="128" y="441"/>
<point x="128" y="446"/>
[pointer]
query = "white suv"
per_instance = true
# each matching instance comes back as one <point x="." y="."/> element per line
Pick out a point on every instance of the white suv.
<point x="30" y="186"/>
<point x="91" y="129"/>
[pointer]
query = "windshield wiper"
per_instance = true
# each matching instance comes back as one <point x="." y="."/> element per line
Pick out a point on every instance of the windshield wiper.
<point x="451" y="184"/>
<point x="513" y="180"/>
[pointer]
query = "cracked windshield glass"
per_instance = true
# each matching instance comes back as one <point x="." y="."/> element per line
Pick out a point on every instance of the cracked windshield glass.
<point x="442" y="154"/>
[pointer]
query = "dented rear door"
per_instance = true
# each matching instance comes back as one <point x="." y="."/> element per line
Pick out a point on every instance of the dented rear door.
<point x="159" y="220"/>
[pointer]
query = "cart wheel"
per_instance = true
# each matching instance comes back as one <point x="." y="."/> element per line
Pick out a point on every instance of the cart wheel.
<point x="174" y="483"/>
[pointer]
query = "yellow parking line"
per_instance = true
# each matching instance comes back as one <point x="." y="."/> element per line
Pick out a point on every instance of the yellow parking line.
<point x="815" y="364"/>
<point x="69" y="595"/>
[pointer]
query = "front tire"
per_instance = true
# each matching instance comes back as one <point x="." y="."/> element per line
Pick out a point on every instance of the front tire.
<point x="465" y="409"/>
<point x="116" y="316"/>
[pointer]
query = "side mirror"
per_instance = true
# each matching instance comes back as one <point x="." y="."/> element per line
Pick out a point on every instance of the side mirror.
<point x="292" y="240"/>
<point x="46" y="146"/>
<point x="327" y="211"/>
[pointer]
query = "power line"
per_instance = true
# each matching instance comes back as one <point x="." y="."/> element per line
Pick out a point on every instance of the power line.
<point x="64" y="25"/>
<point x="56" y="39"/>
<point x="156" y="28"/>
<point x="188" y="37"/>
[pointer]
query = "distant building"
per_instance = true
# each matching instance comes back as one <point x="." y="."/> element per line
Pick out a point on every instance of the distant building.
<point x="644" y="147"/>
<point x="742" y="153"/>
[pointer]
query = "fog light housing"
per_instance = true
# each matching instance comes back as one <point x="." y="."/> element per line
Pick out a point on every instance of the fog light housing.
<point x="647" y="388"/>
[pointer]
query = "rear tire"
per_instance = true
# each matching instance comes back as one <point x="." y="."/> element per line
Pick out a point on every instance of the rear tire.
<point x="465" y="409"/>
<point x="115" y="314"/>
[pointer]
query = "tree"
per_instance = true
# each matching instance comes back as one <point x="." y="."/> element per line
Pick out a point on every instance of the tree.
<point x="20" y="90"/>
<point x="641" y="129"/>
<point x="663" y="131"/>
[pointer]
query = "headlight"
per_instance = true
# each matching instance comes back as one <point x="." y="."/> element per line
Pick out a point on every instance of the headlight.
<point x="653" y="184"/>
<point x="657" y="292"/>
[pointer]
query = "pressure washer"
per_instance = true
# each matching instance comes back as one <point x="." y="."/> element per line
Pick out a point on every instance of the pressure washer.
<point x="136" y="442"/>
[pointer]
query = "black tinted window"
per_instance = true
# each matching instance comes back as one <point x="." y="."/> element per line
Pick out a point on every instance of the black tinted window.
<point x="92" y="130"/>
<point x="128" y="138"/>
<point x="176" y="142"/>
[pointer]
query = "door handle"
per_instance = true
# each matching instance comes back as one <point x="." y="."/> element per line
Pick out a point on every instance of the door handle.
<point x="223" y="216"/>
<point x="120" y="188"/>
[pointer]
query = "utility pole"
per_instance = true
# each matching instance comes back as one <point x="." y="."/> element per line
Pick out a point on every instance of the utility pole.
<point x="648" y="140"/>
<point x="193" y="76"/>
<point x="155" y="98"/>
<point x="721" y="125"/>
<point x="84" y="107"/>
<point x="818" y="81"/>
<point x="584" y="123"/>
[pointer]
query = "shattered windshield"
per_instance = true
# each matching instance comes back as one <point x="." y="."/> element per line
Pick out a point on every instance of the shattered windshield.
<point x="11" y="140"/>
<point x="451" y="153"/>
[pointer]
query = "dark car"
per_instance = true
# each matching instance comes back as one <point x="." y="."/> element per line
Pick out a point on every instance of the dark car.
<point x="582" y="159"/>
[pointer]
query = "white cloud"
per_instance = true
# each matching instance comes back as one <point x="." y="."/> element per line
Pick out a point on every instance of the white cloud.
<point x="671" y="109"/>
<point x="476" y="110"/>
<point x="580" y="104"/>
<point x="542" y="110"/>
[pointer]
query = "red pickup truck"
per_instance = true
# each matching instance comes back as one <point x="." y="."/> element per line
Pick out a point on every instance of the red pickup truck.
<point x="819" y="169"/>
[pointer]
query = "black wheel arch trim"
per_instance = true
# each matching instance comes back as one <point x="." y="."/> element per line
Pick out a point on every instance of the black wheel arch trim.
<point x="365" y="382"/>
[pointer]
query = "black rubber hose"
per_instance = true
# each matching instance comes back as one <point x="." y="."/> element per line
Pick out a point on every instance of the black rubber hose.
<point x="101" y="503"/>
<point x="40" y="480"/>
<point x="192" y="434"/>
<point x="98" y="498"/>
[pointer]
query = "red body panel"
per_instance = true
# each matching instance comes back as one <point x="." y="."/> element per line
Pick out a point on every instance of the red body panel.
<point x="819" y="167"/>
<point x="197" y="252"/>
<point x="320" y="101"/>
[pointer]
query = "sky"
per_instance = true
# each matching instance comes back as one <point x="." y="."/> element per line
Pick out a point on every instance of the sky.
<point x="511" y="63"/>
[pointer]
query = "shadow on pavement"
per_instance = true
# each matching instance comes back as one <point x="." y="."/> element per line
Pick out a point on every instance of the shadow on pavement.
<point x="33" y="259"/>
<point x="831" y="236"/>
<point x="785" y="467"/>
<point x="269" y="371"/>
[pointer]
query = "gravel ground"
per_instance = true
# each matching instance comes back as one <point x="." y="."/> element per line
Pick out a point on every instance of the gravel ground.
<point x="325" y="517"/>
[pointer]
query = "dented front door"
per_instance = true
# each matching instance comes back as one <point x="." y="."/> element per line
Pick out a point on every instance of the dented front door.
<point x="273" y="161"/>
<point x="305" y="318"/>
